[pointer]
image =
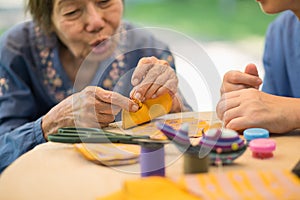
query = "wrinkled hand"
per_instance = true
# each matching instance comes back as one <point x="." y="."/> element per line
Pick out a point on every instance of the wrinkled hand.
<point x="152" y="78"/>
<point x="248" y="108"/>
<point x="236" y="80"/>
<point x="92" y="107"/>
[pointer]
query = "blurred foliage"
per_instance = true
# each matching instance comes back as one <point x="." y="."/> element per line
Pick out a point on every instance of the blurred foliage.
<point x="208" y="19"/>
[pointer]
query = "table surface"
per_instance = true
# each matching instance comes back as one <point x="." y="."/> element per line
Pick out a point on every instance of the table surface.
<point x="57" y="171"/>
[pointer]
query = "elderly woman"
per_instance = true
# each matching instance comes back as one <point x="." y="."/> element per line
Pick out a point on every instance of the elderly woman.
<point x="75" y="63"/>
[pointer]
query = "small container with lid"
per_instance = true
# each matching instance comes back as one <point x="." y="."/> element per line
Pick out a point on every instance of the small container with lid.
<point x="255" y="133"/>
<point x="262" y="148"/>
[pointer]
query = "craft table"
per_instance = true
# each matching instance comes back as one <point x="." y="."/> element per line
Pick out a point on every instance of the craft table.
<point x="57" y="171"/>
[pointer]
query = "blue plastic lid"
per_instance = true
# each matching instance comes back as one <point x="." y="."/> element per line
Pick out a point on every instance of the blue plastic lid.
<point x="254" y="133"/>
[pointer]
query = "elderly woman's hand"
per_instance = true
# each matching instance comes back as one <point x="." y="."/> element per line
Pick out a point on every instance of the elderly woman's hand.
<point x="236" y="80"/>
<point x="152" y="78"/>
<point x="92" y="107"/>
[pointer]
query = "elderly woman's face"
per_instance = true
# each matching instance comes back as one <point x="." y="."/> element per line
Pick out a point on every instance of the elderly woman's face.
<point x="83" y="24"/>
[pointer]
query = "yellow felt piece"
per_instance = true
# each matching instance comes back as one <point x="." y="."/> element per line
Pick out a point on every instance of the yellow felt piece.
<point x="215" y="125"/>
<point x="149" y="110"/>
<point x="237" y="184"/>
<point x="116" y="196"/>
<point x="158" y="188"/>
<point x="109" y="154"/>
<point x="260" y="184"/>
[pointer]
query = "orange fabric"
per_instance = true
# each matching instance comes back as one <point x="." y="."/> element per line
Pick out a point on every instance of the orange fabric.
<point x="152" y="188"/>
<point x="149" y="110"/>
<point x="249" y="184"/>
<point x="259" y="184"/>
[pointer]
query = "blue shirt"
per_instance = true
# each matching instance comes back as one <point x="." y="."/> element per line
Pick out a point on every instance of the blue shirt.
<point x="282" y="56"/>
<point x="32" y="80"/>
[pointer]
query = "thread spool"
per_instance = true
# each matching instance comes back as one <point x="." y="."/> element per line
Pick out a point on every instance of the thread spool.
<point x="152" y="159"/>
<point x="193" y="164"/>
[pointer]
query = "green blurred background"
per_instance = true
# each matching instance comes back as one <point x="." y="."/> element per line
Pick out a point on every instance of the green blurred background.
<point x="205" y="19"/>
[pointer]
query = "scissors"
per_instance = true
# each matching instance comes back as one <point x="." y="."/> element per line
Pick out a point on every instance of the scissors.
<point x="93" y="135"/>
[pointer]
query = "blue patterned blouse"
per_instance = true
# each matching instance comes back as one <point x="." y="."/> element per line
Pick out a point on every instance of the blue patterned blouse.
<point x="32" y="80"/>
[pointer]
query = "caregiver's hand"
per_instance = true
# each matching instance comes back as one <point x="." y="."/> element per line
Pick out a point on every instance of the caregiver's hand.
<point x="248" y="108"/>
<point x="236" y="80"/>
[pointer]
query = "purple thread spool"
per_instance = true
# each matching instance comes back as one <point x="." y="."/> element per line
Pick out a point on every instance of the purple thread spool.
<point x="152" y="160"/>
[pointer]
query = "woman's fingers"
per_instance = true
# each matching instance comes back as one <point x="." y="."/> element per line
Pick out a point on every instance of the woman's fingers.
<point x="96" y="105"/>
<point x="143" y="66"/>
<point x="114" y="101"/>
<point x="153" y="78"/>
